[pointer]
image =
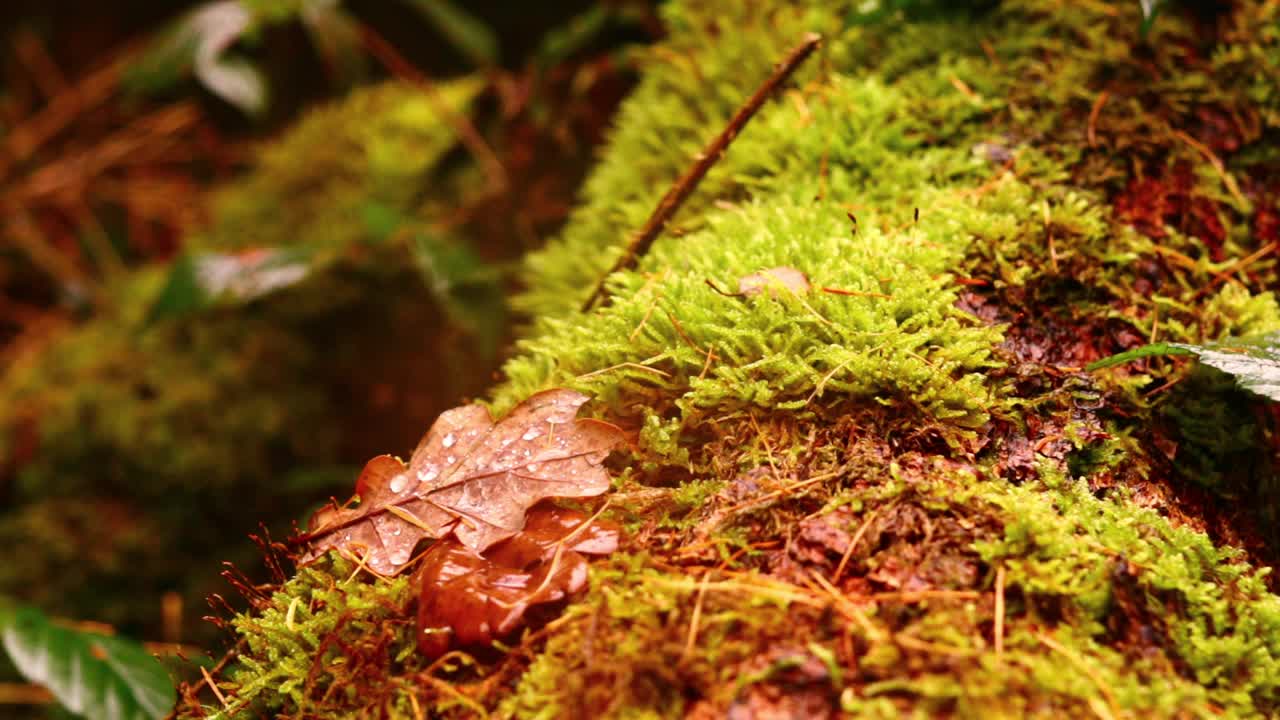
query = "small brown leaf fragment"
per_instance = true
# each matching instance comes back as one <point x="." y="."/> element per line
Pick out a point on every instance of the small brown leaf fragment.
<point x="772" y="280"/>
<point x="472" y="478"/>
<point x="468" y="599"/>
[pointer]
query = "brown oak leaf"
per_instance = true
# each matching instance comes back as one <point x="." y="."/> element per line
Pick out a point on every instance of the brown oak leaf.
<point x="466" y="599"/>
<point x="470" y="477"/>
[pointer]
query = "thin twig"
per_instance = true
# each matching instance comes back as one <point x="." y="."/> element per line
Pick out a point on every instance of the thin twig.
<point x="1094" y="112"/>
<point x="688" y="182"/>
<point x="208" y="680"/>
<point x="779" y="493"/>
<point x="910" y="596"/>
<point x="692" y="638"/>
<point x="848" y="551"/>
<point x="1218" y="167"/>
<point x="964" y="89"/>
<point x="848" y="609"/>
<point x="855" y="293"/>
<point x="619" y="366"/>
<point x="1083" y="667"/>
<point x="1234" y="268"/>
<point x="24" y="694"/>
<point x="386" y="54"/>
<point x="999" y="610"/>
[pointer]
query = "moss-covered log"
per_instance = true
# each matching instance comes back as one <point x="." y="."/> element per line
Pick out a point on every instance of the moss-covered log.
<point x="899" y="492"/>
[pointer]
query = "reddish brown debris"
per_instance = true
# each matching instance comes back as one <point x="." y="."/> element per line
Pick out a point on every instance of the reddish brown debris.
<point x="1169" y="199"/>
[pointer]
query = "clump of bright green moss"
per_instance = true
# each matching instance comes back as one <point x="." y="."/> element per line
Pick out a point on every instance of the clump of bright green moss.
<point x="342" y="168"/>
<point x="328" y="623"/>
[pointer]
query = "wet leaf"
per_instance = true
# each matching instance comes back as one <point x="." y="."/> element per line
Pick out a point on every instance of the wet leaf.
<point x="469" y="599"/>
<point x="93" y="675"/>
<point x="472" y="478"/>
<point x="772" y="280"/>
<point x="1253" y="362"/>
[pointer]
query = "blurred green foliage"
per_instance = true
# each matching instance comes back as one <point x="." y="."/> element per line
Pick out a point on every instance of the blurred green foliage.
<point x="325" y="301"/>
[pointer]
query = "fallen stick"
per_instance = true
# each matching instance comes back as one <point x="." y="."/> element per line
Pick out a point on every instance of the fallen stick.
<point x="688" y="182"/>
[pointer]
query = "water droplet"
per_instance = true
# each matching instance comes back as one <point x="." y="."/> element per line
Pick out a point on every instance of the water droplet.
<point x="347" y="537"/>
<point x="427" y="474"/>
<point x="531" y="434"/>
<point x="397" y="531"/>
<point x="399" y="557"/>
<point x="532" y="467"/>
<point x="398" y="483"/>
<point x="449" y="440"/>
<point x="449" y="460"/>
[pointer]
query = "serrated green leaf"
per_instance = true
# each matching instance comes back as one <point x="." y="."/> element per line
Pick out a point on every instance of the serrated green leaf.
<point x="93" y="675"/>
<point x="1254" y="362"/>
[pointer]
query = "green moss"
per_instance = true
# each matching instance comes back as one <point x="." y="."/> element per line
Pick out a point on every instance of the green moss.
<point x="640" y="627"/>
<point x="1068" y="544"/>
<point x="341" y="169"/>
<point x="327" y="629"/>
<point x="781" y="427"/>
<point x="1065" y="553"/>
<point x="904" y="341"/>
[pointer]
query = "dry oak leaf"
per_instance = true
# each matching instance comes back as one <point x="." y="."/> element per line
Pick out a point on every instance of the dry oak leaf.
<point x="466" y="599"/>
<point x="470" y="477"/>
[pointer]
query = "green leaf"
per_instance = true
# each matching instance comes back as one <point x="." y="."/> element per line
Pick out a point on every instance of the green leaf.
<point x="199" y="43"/>
<point x="93" y="675"/>
<point x="560" y="43"/>
<point x="202" y="280"/>
<point x="470" y="36"/>
<point x="1254" y="362"/>
<point x="1146" y="351"/>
